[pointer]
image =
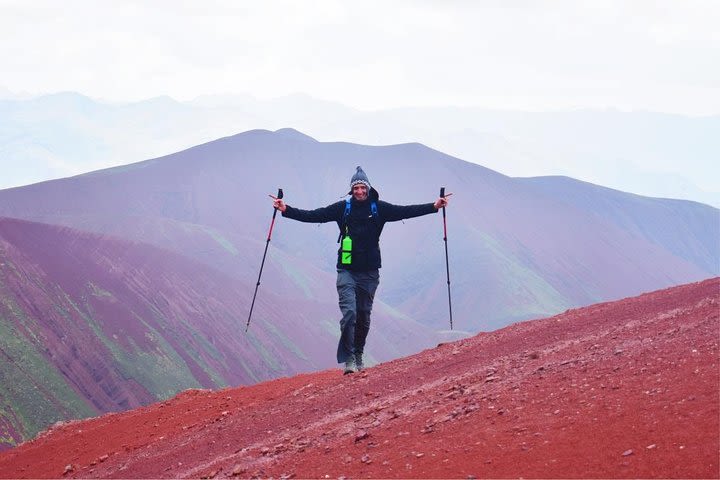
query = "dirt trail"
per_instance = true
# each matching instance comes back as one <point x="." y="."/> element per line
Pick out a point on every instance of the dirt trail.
<point x="622" y="389"/>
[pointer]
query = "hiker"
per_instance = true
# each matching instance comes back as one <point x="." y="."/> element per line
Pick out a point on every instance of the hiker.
<point x="361" y="219"/>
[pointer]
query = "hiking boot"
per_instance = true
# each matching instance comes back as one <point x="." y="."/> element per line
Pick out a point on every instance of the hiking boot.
<point x="350" y="366"/>
<point x="359" y="362"/>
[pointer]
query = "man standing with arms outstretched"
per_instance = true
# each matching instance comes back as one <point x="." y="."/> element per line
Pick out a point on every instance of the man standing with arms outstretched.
<point x="361" y="219"/>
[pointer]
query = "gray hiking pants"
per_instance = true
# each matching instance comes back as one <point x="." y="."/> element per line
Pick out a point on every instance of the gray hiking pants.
<point x="356" y="291"/>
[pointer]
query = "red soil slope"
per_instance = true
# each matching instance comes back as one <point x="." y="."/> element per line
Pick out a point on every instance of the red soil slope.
<point x="621" y="389"/>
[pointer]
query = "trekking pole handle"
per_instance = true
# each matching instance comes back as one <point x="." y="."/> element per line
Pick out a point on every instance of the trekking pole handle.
<point x="442" y="195"/>
<point x="275" y="210"/>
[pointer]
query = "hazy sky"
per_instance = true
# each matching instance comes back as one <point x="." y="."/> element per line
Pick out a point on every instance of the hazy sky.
<point x="628" y="54"/>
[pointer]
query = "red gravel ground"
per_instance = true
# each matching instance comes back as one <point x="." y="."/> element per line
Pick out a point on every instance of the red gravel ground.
<point x="615" y="390"/>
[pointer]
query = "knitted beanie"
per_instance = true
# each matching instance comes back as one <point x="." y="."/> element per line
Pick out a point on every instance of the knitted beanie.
<point x="359" y="179"/>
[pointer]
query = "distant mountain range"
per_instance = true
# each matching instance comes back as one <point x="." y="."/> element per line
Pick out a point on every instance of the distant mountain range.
<point x="653" y="154"/>
<point x="129" y="284"/>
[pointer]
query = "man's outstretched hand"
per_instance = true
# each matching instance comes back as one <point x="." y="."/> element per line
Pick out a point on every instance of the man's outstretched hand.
<point x="278" y="203"/>
<point x="442" y="202"/>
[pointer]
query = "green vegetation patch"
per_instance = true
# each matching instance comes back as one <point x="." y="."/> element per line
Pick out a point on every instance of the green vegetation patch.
<point x="189" y="348"/>
<point x="287" y="343"/>
<point x="222" y="241"/>
<point x="536" y="295"/>
<point x="297" y="275"/>
<point x="331" y="326"/>
<point x="36" y="392"/>
<point x="267" y="357"/>
<point x="212" y="233"/>
<point x="98" y="292"/>
<point x="18" y="314"/>
<point x="161" y="371"/>
<point x="209" y="348"/>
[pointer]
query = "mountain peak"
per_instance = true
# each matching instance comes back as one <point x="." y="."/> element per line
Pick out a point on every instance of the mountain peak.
<point x="66" y="99"/>
<point x="292" y="133"/>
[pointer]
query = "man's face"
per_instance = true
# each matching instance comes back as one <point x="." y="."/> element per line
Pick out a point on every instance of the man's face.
<point x="360" y="192"/>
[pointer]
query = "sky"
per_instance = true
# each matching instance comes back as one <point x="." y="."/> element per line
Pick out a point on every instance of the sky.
<point x="632" y="55"/>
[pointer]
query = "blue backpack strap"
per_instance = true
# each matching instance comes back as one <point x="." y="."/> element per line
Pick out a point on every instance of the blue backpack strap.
<point x="346" y="214"/>
<point x="347" y="210"/>
<point x="373" y="209"/>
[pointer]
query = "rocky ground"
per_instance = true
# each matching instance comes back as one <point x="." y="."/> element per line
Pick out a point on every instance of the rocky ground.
<point x="615" y="390"/>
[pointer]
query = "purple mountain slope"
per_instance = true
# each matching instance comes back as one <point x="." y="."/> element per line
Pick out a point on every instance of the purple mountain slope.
<point x="519" y="248"/>
<point x="95" y="324"/>
<point x="658" y="222"/>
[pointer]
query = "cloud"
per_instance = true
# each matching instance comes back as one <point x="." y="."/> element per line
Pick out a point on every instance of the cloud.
<point x="537" y="55"/>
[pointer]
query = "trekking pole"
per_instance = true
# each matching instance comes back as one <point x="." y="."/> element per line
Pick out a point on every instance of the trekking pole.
<point x="272" y="224"/>
<point x="447" y="263"/>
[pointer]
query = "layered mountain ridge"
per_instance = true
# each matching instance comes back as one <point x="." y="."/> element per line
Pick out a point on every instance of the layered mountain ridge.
<point x="648" y="153"/>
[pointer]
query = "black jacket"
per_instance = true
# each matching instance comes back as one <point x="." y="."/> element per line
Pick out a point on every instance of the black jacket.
<point x="364" y="229"/>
